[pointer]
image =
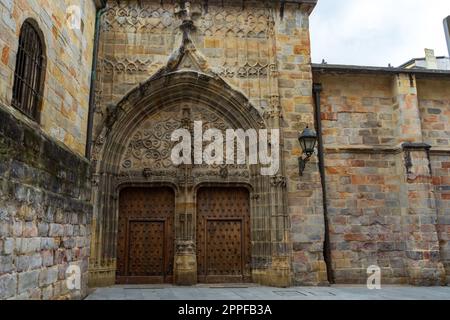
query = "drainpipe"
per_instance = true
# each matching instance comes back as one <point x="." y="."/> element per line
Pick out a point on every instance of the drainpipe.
<point x="101" y="10"/>
<point x="317" y="89"/>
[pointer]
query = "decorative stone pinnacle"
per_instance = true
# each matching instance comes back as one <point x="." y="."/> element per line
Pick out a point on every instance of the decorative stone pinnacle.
<point x="184" y="12"/>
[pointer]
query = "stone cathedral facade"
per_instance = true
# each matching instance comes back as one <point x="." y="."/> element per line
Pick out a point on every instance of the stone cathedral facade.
<point x="87" y="179"/>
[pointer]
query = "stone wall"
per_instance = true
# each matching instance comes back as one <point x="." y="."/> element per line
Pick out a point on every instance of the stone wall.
<point x="382" y="132"/>
<point x="64" y="111"/>
<point x="44" y="212"/>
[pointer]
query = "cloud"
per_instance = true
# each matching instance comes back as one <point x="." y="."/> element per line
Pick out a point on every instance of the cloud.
<point x="369" y="32"/>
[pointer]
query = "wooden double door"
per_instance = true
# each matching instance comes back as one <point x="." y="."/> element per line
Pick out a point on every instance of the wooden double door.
<point x="145" y="249"/>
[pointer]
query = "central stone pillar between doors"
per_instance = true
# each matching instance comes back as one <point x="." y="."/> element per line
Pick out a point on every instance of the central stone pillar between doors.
<point x="185" y="267"/>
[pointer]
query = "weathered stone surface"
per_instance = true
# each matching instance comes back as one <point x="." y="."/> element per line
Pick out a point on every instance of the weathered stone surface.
<point x="28" y="281"/>
<point x="47" y="258"/>
<point x="6" y="264"/>
<point x="48" y="276"/>
<point x="47" y="293"/>
<point x="28" y="262"/>
<point x="29" y="232"/>
<point x="56" y="230"/>
<point x="30" y="245"/>
<point x="8" y="285"/>
<point x="7" y="246"/>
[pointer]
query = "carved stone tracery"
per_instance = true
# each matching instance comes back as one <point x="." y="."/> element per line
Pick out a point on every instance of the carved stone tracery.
<point x="137" y="16"/>
<point x="124" y="65"/>
<point x="150" y="145"/>
<point x="214" y="20"/>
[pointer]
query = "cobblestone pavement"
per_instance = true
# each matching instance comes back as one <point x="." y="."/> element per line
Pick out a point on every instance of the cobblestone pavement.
<point x="207" y="292"/>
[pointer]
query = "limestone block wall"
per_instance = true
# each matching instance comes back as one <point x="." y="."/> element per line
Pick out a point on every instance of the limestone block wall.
<point x="44" y="213"/>
<point x="69" y="56"/>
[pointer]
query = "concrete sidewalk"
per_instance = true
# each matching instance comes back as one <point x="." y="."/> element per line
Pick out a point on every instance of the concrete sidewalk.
<point x="242" y="292"/>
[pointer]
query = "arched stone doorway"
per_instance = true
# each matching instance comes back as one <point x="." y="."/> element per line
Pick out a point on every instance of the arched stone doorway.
<point x="134" y="149"/>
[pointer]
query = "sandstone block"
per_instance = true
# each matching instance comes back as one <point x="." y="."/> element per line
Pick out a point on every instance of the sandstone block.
<point x="48" y="276"/>
<point x="7" y="246"/>
<point x="28" y="280"/>
<point x="8" y="285"/>
<point x="47" y="258"/>
<point x="48" y="244"/>
<point x="56" y="230"/>
<point x="28" y="262"/>
<point x="6" y="264"/>
<point x="30" y="245"/>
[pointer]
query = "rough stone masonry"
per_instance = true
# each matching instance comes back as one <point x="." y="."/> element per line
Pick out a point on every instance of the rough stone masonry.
<point x="44" y="214"/>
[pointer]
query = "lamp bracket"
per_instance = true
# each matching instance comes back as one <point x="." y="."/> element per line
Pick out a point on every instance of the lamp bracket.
<point x="302" y="162"/>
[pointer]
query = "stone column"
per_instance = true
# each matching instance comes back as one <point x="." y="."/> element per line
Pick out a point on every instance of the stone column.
<point x="102" y="262"/>
<point x="419" y="218"/>
<point x="185" y="265"/>
<point x="418" y="203"/>
<point x="406" y="105"/>
<point x="281" y="271"/>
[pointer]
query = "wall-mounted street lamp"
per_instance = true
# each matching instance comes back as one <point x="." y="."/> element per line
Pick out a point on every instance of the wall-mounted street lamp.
<point x="308" y="141"/>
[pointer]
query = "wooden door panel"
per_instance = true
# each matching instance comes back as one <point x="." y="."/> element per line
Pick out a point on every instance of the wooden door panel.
<point x="145" y="247"/>
<point x="223" y="235"/>
<point x="224" y="256"/>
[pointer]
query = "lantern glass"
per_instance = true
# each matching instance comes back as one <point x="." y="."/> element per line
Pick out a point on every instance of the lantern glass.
<point x="308" y="141"/>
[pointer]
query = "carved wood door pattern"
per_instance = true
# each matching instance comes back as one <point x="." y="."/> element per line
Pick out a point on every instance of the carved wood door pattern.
<point x="145" y="249"/>
<point x="223" y="235"/>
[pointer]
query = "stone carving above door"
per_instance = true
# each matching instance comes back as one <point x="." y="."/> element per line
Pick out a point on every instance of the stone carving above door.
<point x="150" y="146"/>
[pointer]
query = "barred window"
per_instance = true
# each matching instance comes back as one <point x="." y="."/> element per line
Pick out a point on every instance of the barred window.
<point x="29" y="73"/>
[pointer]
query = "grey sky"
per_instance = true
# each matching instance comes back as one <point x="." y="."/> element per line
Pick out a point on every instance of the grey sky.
<point x="377" y="32"/>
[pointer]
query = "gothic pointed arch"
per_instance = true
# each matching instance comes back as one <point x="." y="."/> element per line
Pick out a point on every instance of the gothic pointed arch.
<point x="186" y="87"/>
